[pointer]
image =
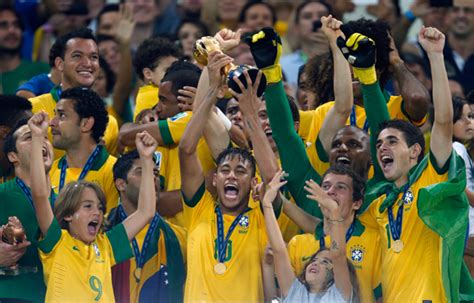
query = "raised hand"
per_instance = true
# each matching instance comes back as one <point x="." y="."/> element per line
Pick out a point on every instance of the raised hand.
<point x="431" y="39"/>
<point x="329" y="207"/>
<point x="146" y="145"/>
<point x="216" y="63"/>
<point x="249" y="103"/>
<point x="273" y="188"/>
<point x="125" y="25"/>
<point x="228" y="39"/>
<point x="331" y="27"/>
<point x="186" y="98"/>
<point x="39" y="124"/>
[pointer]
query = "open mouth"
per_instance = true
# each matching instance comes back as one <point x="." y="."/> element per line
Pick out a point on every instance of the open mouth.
<point x="85" y="73"/>
<point x="93" y="227"/>
<point x="386" y="161"/>
<point x="344" y="160"/>
<point x="231" y="191"/>
<point x="268" y="133"/>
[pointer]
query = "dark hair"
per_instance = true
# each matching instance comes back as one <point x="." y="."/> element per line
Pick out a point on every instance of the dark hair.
<point x="320" y="77"/>
<point x="196" y="22"/>
<point x="12" y="107"/>
<point x="88" y="104"/>
<point x="458" y="104"/>
<point x="470" y="97"/>
<point x="242" y="154"/>
<point x="182" y="73"/>
<point x="302" y="5"/>
<point x="109" y="74"/>
<point x="54" y="51"/>
<point x="151" y="51"/>
<point x="411" y="133"/>
<point x="124" y="163"/>
<point x="379" y="32"/>
<point x="251" y="4"/>
<point x="7" y="7"/>
<point x="295" y="113"/>
<point x="9" y="144"/>
<point x="106" y="9"/>
<point x="358" y="184"/>
<point x="81" y="33"/>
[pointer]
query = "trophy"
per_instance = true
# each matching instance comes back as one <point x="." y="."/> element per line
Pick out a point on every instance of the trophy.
<point x="207" y="44"/>
<point x="13" y="233"/>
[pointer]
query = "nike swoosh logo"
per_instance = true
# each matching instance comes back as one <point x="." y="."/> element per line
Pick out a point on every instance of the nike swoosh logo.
<point x="75" y="248"/>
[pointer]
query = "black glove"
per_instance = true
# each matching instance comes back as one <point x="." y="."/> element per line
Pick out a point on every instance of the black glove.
<point x="360" y="52"/>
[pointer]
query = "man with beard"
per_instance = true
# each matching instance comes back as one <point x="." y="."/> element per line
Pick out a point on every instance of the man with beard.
<point x="13" y="69"/>
<point x="15" y="200"/>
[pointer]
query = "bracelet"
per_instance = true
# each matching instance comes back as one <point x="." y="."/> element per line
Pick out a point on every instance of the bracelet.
<point x="335" y="221"/>
<point x="410" y="16"/>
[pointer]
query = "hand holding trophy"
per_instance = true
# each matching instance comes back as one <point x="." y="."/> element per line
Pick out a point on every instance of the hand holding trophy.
<point x="206" y="45"/>
<point x="14" y="237"/>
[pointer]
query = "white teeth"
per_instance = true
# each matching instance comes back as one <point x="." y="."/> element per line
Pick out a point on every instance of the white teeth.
<point x="386" y="158"/>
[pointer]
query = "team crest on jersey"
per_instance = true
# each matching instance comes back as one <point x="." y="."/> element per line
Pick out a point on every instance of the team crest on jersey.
<point x="178" y="116"/>
<point x="357" y="254"/>
<point x="96" y="249"/>
<point x="244" y="221"/>
<point x="157" y="157"/>
<point x="408" y="197"/>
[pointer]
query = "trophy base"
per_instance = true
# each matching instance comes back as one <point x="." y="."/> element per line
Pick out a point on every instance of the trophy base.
<point x="17" y="270"/>
<point x="252" y="71"/>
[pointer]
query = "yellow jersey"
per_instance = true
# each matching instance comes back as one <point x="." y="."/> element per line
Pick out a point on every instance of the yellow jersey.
<point x="394" y="106"/>
<point x="100" y="173"/>
<point x="242" y="279"/>
<point x="147" y="97"/>
<point x="306" y="119"/>
<point x="413" y="274"/>
<point x="362" y="249"/>
<point x="172" y="130"/>
<point x="77" y="272"/>
<point x="47" y="103"/>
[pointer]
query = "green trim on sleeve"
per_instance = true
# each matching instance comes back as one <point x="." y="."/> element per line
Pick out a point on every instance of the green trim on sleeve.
<point x="440" y="170"/>
<point x="120" y="244"/>
<point x="378" y="292"/>
<point x="165" y="132"/>
<point x="52" y="237"/>
<point x="196" y="197"/>
<point x="323" y="156"/>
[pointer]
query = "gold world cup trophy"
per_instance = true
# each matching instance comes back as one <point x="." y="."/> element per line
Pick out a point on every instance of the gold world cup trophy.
<point x="13" y="233"/>
<point x="207" y="44"/>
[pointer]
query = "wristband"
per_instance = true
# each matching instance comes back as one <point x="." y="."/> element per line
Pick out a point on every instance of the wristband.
<point x="273" y="73"/>
<point x="410" y="16"/>
<point x="224" y="119"/>
<point x="366" y="76"/>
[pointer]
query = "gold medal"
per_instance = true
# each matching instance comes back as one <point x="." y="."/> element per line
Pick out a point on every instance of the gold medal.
<point x="220" y="268"/>
<point x="137" y="273"/>
<point x="397" y="246"/>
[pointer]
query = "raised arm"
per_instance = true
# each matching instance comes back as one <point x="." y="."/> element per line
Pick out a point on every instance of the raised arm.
<point x="191" y="170"/>
<point x="283" y="269"/>
<point x="250" y="105"/>
<point x="40" y="190"/>
<point x="146" y="208"/>
<point x="266" y="47"/>
<point x="123" y="35"/>
<point x="305" y="221"/>
<point x="334" y="220"/>
<point x="416" y="99"/>
<point x="432" y="41"/>
<point x="337" y="116"/>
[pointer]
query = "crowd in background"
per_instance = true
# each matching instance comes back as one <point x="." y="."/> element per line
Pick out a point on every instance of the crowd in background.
<point x="111" y="121"/>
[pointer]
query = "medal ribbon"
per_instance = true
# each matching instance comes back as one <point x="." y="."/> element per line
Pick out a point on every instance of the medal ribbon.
<point x="85" y="169"/>
<point x="353" y="120"/>
<point x="396" y="225"/>
<point x="221" y="243"/>
<point x="27" y="192"/>
<point x="349" y="232"/>
<point x="140" y="257"/>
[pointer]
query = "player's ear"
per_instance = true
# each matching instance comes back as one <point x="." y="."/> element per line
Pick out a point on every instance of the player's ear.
<point x="214" y="177"/>
<point x="120" y="184"/>
<point x="68" y="218"/>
